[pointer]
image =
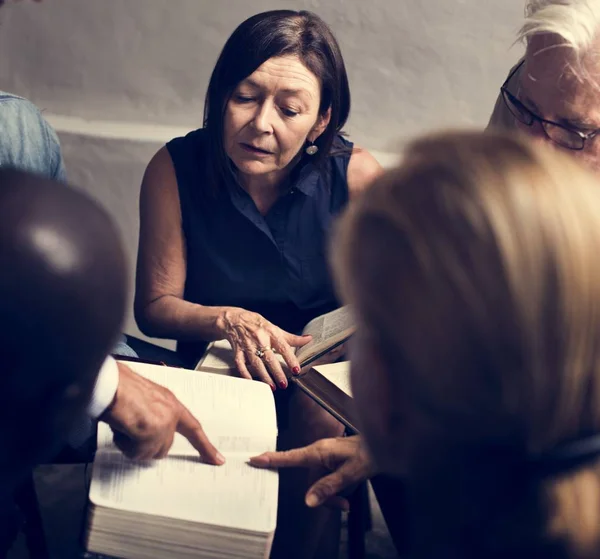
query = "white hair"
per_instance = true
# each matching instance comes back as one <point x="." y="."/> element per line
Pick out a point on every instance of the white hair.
<point x="576" y="22"/>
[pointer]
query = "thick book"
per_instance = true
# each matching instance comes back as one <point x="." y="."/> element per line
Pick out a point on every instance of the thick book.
<point x="179" y="507"/>
<point x="328" y="331"/>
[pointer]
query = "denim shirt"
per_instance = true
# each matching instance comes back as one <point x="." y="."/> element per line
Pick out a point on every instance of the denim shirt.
<point x="27" y="141"/>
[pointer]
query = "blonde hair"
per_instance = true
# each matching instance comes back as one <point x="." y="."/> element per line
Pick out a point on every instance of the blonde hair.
<point x="475" y="267"/>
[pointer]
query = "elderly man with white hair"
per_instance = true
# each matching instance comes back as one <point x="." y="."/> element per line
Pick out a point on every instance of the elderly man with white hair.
<point x="553" y="93"/>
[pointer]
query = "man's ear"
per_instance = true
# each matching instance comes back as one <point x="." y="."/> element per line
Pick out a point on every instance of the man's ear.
<point x="320" y="126"/>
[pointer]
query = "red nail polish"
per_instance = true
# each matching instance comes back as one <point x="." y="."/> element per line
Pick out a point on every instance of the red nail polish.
<point x="296" y="370"/>
<point x="273" y="388"/>
<point x="283" y="384"/>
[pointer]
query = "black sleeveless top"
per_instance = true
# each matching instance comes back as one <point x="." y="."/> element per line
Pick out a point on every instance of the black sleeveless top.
<point x="275" y="265"/>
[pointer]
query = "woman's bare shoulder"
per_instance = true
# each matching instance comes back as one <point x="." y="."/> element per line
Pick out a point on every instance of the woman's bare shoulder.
<point x="363" y="169"/>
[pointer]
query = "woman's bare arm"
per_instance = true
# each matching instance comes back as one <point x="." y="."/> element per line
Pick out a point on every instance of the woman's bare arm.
<point x="160" y="310"/>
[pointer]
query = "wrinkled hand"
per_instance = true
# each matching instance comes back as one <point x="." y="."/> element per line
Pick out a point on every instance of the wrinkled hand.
<point x="345" y="457"/>
<point x="249" y="333"/>
<point x="145" y="416"/>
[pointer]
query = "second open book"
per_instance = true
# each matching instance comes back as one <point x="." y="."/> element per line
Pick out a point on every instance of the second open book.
<point x="329" y="386"/>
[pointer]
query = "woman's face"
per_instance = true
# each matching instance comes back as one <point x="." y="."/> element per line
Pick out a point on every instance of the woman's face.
<point x="270" y="116"/>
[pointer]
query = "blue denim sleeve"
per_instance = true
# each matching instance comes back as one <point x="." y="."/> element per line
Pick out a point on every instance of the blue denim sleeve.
<point x="57" y="165"/>
<point x="27" y="141"/>
<point x="123" y="349"/>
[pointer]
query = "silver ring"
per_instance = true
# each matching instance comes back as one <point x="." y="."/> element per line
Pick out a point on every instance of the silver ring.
<point x="261" y="351"/>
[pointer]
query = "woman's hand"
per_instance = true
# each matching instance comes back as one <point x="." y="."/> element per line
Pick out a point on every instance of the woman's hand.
<point x="344" y="457"/>
<point x="256" y="341"/>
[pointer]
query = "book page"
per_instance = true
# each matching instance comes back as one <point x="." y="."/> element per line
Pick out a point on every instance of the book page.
<point x="234" y="495"/>
<point x="218" y="358"/>
<point x="236" y="414"/>
<point x="326" y="330"/>
<point x="338" y="374"/>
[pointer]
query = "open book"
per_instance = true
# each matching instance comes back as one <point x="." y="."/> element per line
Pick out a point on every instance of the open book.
<point x="179" y="507"/>
<point x="337" y="374"/>
<point x="329" y="386"/>
<point x="328" y="331"/>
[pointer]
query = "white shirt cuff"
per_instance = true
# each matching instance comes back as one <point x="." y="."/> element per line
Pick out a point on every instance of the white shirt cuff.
<point x="105" y="389"/>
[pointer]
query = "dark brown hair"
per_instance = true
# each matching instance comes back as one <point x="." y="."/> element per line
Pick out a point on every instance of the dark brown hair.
<point x="256" y="40"/>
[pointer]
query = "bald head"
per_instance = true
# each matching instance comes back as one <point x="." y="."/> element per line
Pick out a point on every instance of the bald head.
<point x="62" y="299"/>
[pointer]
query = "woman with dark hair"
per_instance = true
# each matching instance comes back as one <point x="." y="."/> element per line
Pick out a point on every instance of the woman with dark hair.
<point x="234" y="217"/>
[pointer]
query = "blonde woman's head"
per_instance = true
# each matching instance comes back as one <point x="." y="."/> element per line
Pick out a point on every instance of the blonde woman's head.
<point x="474" y="271"/>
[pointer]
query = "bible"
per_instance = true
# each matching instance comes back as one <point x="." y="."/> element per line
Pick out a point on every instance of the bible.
<point x="179" y="507"/>
<point x="329" y="386"/>
<point x="328" y="331"/>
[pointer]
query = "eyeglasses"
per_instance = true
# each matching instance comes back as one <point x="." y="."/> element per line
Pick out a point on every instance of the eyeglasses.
<point x="558" y="133"/>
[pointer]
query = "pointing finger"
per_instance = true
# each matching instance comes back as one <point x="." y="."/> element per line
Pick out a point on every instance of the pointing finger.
<point x="191" y="429"/>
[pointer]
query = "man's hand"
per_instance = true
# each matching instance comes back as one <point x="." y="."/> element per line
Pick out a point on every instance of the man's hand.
<point x="345" y="457"/>
<point x="145" y="417"/>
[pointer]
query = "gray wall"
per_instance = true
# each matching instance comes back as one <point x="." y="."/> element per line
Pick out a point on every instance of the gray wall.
<point x="119" y="77"/>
